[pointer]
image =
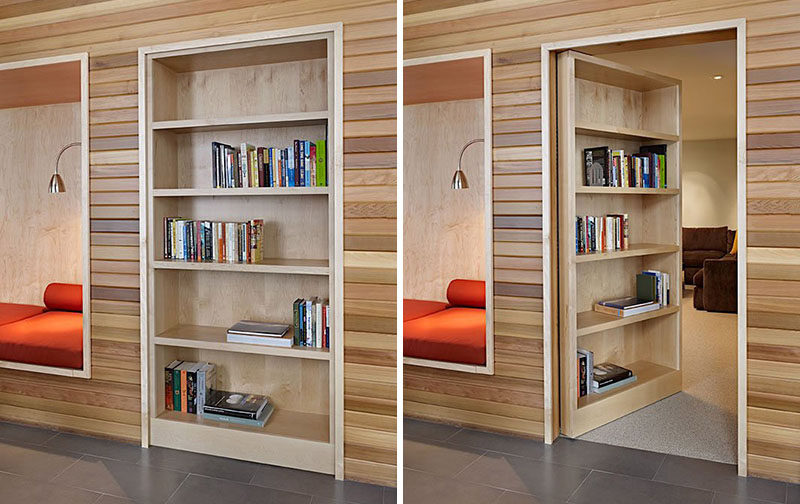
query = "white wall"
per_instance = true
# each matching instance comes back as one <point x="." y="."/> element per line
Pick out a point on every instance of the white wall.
<point x="708" y="170"/>
<point x="444" y="234"/>
<point x="40" y="233"/>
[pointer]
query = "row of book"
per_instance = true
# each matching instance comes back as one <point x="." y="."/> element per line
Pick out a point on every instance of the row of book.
<point x="302" y="164"/>
<point x="191" y="240"/>
<point x="189" y="387"/>
<point x="312" y="322"/>
<point x="652" y="293"/>
<point x="613" y="168"/>
<point x="601" y="233"/>
<point x="599" y="378"/>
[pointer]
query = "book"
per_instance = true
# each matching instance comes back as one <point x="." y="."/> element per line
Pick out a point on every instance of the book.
<point x="596" y="166"/>
<point x="182" y="370"/>
<point x="169" y="393"/>
<point x="285" y="341"/>
<point x="612" y="386"/>
<point x="626" y="307"/>
<point x="608" y="373"/>
<point x="322" y="173"/>
<point x="588" y="356"/>
<point x="263" y="329"/>
<point x="176" y="387"/>
<point x="260" y="421"/>
<point x="206" y="381"/>
<point x="582" y="383"/>
<point x="234" y="404"/>
<point x="646" y="287"/>
<point x="191" y="387"/>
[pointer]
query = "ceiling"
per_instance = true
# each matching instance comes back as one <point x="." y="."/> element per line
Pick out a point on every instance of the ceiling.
<point x="709" y="106"/>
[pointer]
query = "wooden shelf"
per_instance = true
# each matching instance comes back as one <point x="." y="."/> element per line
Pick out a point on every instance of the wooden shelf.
<point x="635" y="250"/>
<point x="625" y="190"/>
<point x="215" y="338"/>
<point x="241" y="191"/>
<point x="646" y="373"/>
<point x="243" y="122"/>
<point x="607" y="130"/>
<point x="590" y="322"/>
<point x="283" y="266"/>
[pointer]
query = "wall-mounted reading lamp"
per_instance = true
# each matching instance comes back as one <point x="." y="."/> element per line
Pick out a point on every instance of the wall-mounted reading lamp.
<point x="459" y="178"/>
<point x="56" y="182"/>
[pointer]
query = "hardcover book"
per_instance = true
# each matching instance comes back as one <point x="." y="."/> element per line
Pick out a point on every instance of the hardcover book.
<point x="234" y="404"/>
<point x="607" y="373"/>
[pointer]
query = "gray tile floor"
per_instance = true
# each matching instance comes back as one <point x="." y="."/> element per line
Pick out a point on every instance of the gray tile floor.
<point x="445" y="464"/>
<point x="43" y="466"/>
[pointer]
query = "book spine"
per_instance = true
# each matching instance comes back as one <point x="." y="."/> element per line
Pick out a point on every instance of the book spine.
<point x="176" y="389"/>
<point x="168" y="393"/>
<point x="184" y="383"/>
<point x="191" y="391"/>
<point x="322" y="162"/>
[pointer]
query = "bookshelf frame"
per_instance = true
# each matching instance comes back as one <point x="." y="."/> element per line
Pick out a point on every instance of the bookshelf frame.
<point x="307" y="441"/>
<point x="549" y="218"/>
<point x="56" y="96"/>
<point x="625" y="99"/>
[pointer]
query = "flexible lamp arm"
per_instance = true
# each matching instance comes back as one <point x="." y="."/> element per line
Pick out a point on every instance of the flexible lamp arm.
<point x="58" y="159"/>
<point x="463" y="149"/>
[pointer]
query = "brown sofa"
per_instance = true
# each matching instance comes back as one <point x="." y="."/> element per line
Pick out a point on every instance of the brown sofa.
<point x="716" y="285"/>
<point x="704" y="243"/>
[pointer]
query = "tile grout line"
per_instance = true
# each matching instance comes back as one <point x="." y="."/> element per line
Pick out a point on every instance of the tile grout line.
<point x="664" y="459"/>
<point x="52" y="480"/>
<point x="580" y="485"/>
<point x="177" y="488"/>
<point x="468" y="465"/>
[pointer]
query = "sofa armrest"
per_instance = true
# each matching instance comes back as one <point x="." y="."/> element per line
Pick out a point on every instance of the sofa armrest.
<point x="720" y="284"/>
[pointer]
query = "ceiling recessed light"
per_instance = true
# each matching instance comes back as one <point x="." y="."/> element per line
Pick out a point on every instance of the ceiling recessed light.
<point x="717" y="77"/>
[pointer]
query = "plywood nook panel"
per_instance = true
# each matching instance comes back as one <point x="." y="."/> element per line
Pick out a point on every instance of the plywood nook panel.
<point x="515" y="33"/>
<point x="109" y="403"/>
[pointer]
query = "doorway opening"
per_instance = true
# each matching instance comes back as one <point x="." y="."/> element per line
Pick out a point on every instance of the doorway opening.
<point x="646" y="138"/>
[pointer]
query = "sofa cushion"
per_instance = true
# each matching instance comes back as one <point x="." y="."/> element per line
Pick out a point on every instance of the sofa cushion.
<point x="706" y="238"/>
<point x="52" y="338"/>
<point x="64" y="297"/>
<point x="695" y="258"/>
<point x="688" y="274"/>
<point x="416" y="308"/>
<point x="10" y="312"/>
<point x="697" y="279"/>
<point x="451" y="335"/>
<point x="470" y="293"/>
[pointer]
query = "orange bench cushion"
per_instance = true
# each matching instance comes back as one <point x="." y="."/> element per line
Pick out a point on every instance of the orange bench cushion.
<point x="64" y="297"/>
<point x="52" y="338"/>
<point x="452" y="335"/>
<point x="471" y="293"/>
<point x="10" y="312"/>
<point x="416" y="308"/>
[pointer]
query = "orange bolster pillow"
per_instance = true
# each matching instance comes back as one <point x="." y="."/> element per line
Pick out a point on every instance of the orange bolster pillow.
<point x="471" y="293"/>
<point x="64" y="297"/>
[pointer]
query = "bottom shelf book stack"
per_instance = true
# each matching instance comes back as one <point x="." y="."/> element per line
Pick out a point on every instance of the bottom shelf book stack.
<point x="190" y="387"/>
<point x="600" y="378"/>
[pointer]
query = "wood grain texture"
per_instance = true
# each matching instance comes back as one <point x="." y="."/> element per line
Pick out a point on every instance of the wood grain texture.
<point x="515" y="32"/>
<point x="112" y="32"/>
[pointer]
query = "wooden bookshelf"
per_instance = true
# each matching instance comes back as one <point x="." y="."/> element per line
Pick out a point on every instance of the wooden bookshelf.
<point x="266" y="89"/>
<point x="602" y="103"/>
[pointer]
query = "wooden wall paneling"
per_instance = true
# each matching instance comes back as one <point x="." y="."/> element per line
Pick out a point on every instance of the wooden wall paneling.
<point x="773" y="107"/>
<point x="112" y="32"/>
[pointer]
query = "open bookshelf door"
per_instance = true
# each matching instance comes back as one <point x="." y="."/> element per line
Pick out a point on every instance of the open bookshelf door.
<point x="619" y="217"/>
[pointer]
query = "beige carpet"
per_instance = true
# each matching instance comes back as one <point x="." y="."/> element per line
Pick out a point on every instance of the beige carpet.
<point x="699" y="422"/>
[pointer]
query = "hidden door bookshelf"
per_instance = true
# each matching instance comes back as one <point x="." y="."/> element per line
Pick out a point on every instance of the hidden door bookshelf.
<point x="266" y="89"/>
<point x="603" y="103"/>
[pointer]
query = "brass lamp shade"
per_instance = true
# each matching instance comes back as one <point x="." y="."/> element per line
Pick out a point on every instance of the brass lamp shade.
<point x="459" y="180"/>
<point x="459" y="177"/>
<point x="56" y="184"/>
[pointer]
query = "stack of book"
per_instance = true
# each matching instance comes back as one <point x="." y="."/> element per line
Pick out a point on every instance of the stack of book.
<point x="312" y="322"/>
<point x="191" y="240"/>
<point x="609" y="376"/>
<point x="187" y="385"/>
<point x="260" y="333"/>
<point x="613" y="168"/>
<point x="652" y="293"/>
<point x="595" y="234"/>
<point x="302" y="164"/>
<point x="243" y="409"/>
<point x="596" y="379"/>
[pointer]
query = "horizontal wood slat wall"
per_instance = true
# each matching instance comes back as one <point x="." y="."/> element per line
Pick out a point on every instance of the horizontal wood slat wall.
<point x="515" y="32"/>
<point x="112" y="31"/>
